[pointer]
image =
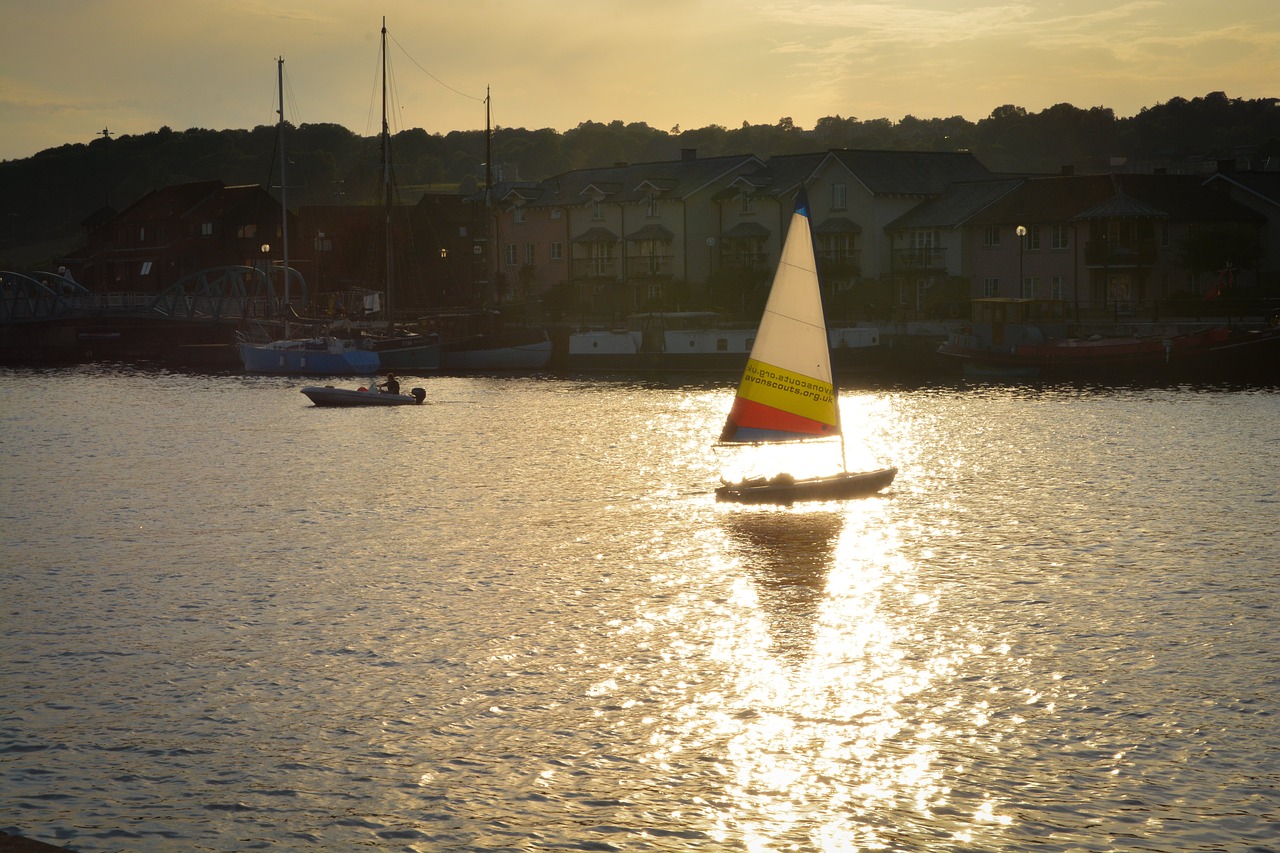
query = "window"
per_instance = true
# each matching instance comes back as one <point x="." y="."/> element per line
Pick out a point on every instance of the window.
<point x="839" y="197"/>
<point x="146" y="268"/>
<point x="1058" y="239"/>
<point x="923" y="286"/>
<point x="557" y="251"/>
<point x="597" y="210"/>
<point x="528" y="253"/>
<point x="206" y="229"/>
<point x="1029" y="287"/>
<point x="926" y="238"/>
<point x="991" y="236"/>
<point x="249" y="231"/>
<point x="1058" y="287"/>
<point x="748" y="205"/>
<point x="517" y="215"/>
<point x="510" y="251"/>
<point x="1033" y="236"/>
<point x="556" y="213"/>
<point x="991" y="287"/>
<point x="142" y="235"/>
<point x="651" y="206"/>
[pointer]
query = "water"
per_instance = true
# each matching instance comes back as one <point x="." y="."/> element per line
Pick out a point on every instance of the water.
<point x="515" y="620"/>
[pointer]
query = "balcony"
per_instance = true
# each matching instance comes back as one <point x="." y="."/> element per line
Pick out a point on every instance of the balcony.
<point x="925" y="258"/>
<point x="595" y="268"/>
<point x="745" y="261"/>
<point x="1120" y="253"/>
<point x="656" y="266"/>
<point x="843" y="263"/>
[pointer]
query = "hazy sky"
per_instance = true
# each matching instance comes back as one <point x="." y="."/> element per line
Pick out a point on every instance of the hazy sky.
<point x="69" y="68"/>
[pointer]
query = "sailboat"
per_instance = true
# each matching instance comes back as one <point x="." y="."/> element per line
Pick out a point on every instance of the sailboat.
<point x="319" y="356"/>
<point x="476" y="339"/>
<point x="396" y="349"/>
<point x="787" y="392"/>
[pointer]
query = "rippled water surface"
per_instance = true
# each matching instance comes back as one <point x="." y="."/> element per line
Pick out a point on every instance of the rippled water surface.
<point x="514" y="619"/>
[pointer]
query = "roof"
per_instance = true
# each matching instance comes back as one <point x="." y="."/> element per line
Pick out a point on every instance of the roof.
<point x="1264" y="185"/>
<point x="956" y="206"/>
<point x="910" y="172"/>
<point x="596" y="235"/>
<point x="678" y="179"/>
<point x="1121" y="206"/>
<point x="784" y="175"/>
<point x="651" y="232"/>
<point x="170" y="202"/>
<point x="747" y="229"/>
<point x="838" y="225"/>
<point x="1062" y="198"/>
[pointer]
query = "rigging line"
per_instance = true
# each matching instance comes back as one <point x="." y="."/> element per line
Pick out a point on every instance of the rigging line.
<point x="429" y="74"/>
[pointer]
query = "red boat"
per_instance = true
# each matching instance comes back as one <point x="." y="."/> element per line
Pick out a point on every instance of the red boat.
<point x="1028" y="346"/>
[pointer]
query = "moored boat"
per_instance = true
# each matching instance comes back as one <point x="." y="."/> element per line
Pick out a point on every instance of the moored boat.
<point x="1024" y="337"/>
<point x="322" y="356"/>
<point x="508" y="351"/>
<point x="698" y="341"/>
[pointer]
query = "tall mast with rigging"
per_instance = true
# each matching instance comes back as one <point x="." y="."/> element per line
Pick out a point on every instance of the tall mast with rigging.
<point x="386" y="180"/>
<point x="284" y="185"/>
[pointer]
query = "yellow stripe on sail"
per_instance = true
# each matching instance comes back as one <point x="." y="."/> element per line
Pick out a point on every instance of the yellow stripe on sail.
<point x="790" y="392"/>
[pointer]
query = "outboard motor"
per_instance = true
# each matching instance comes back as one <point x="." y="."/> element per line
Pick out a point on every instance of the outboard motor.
<point x="419" y="394"/>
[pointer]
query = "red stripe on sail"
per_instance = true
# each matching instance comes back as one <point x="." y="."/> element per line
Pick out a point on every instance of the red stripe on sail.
<point x="751" y="415"/>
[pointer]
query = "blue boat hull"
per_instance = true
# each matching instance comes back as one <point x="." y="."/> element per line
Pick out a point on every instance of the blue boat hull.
<point x="304" y="361"/>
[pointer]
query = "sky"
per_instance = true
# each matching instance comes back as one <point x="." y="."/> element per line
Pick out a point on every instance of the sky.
<point x="70" y="69"/>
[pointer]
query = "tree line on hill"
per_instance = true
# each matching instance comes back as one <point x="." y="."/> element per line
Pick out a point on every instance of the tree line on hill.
<point x="48" y="197"/>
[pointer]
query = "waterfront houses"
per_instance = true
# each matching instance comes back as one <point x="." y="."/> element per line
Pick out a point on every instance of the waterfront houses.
<point x="615" y="239"/>
<point x="900" y="236"/>
<point x="634" y="237"/>
<point x="175" y="231"/>
<point x="1114" y="244"/>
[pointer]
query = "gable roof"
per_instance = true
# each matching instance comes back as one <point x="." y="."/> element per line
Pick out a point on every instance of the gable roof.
<point x="652" y="231"/>
<point x="678" y="179"/>
<point x="910" y="172"/>
<point x="956" y="206"/>
<point x="1121" y="206"/>
<point x="1264" y="185"/>
<point x="1062" y="198"/>
<point x="170" y="202"/>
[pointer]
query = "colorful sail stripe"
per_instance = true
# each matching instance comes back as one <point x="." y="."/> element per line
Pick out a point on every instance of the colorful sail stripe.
<point x="751" y="423"/>
<point x="788" y="391"/>
<point x="774" y="404"/>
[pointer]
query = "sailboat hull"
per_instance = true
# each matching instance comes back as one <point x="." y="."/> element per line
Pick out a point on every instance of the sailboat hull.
<point x="787" y="490"/>
<point x="307" y="358"/>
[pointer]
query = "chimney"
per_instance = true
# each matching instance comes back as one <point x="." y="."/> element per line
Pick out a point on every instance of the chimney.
<point x="687" y="154"/>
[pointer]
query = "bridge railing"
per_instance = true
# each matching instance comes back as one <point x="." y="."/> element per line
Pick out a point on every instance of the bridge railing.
<point x="219" y="293"/>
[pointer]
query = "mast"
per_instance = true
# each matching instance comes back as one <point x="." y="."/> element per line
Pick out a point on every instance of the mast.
<point x="488" y="146"/>
<point x="284" y="187"/>
<point x="386" y="178"/>
<point x="491" y="216"/>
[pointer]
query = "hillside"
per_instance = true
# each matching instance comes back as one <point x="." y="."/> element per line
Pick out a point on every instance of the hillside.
<point x="48" y="197"/>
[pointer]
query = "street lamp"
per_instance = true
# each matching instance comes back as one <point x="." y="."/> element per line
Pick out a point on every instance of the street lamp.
<point x="1021" y="231"/>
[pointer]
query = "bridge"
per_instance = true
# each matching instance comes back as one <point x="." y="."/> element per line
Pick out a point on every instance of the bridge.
<point x="216" y="294"/>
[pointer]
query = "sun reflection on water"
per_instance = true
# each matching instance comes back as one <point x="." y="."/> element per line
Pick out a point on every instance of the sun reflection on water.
<point x="825" y="734"/>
